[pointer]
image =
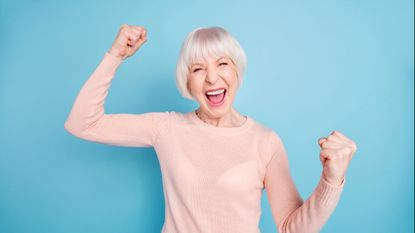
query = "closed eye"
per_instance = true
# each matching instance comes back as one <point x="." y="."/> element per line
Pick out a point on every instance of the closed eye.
<point x="222" y="63"/>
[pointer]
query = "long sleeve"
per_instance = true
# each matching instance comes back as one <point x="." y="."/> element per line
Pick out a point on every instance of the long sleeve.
<point x="87" y="119"/>
<point x="290" y="212"/>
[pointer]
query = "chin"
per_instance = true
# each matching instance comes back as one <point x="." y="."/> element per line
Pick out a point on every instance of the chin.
<point x="216" y="112"/>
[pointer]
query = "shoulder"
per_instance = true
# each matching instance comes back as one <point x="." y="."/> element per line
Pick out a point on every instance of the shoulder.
<point x="174" y="118"/>
<point x="266" y="132"/>
<point x="269" y="140"/>
<point x="177" y="116"/>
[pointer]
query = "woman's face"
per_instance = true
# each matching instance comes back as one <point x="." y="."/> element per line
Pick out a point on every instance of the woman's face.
<point x="214" y="73"/>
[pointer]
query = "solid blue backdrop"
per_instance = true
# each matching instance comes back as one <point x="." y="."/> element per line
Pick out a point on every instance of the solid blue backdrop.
<point x="313" y="67"/>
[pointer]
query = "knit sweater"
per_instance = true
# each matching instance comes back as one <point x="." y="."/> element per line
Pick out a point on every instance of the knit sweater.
<point x="213" y="177"/>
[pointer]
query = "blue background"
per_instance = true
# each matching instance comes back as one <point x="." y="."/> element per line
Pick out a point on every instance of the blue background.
<point x="313" y="67"/>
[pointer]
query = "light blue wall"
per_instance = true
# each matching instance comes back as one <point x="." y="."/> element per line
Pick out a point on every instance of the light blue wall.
<point x="313" y="67"/>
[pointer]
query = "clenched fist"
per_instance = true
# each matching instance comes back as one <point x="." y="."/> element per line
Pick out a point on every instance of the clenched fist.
<point x="336" y="152"/>
<point x="128" y="41"/>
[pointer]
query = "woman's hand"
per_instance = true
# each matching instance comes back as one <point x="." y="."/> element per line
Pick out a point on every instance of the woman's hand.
<point x="335" y="155"/>
<point x="128" y="41"/>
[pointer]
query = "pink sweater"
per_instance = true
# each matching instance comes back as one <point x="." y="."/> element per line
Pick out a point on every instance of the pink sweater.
<point x="213" y="177"/>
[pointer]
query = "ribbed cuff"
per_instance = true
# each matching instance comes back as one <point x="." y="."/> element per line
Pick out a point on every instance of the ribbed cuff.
<point x="109" y="64"/>
<point x="329" y="194"/>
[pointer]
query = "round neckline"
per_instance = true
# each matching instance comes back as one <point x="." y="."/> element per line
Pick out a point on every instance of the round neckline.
<point x="217" y="129"/>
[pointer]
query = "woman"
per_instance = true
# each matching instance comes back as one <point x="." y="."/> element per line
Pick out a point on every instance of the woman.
<point x="215" y="161"/>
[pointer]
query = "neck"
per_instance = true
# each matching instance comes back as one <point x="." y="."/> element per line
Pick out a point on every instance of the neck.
<point x="230" y="119"/>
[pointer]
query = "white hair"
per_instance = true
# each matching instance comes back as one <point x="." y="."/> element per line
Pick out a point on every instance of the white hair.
<point x="201" y="43"/>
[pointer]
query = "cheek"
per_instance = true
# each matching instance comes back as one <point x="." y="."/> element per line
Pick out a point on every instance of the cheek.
<point x="230" y="76"/>
<point x="195" y="86"/>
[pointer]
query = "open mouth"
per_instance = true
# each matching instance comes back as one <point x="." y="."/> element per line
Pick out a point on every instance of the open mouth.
<point x="216" y="98"/>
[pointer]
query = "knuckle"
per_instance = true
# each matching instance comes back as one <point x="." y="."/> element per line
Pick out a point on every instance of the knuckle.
<point x="353" y="146"/>
<point x="125" y="29"/>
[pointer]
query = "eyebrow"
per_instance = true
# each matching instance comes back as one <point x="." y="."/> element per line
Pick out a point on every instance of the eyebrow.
<point x="197" y="63"/>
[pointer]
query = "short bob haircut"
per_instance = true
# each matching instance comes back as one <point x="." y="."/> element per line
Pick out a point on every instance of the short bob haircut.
<point x="204" y="42"/>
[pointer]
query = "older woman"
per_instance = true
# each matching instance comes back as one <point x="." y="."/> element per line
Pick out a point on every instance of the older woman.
<point x="215" y="161"/>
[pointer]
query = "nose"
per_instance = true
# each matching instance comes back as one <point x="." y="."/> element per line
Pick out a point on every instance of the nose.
<point x="211" y="75"/>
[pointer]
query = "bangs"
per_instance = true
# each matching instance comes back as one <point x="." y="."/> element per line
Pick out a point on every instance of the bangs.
<point x="205" y="44"/>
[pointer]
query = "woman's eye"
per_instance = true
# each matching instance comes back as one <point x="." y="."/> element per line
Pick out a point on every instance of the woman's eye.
<point x="223" y="63"/>
<point x="195" y="70"/>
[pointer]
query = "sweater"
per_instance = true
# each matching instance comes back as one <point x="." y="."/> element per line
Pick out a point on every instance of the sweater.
<point x="213" y="177"/>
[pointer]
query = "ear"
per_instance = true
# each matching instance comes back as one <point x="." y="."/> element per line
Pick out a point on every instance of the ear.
<point x="188" y="88"/>
<point x="239" y="82"/>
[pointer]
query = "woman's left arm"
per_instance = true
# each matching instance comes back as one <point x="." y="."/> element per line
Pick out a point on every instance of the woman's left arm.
<point x="290" y="212"/>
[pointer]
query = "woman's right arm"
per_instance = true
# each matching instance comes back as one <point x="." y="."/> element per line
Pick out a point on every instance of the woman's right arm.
<point x="87" y="119"/>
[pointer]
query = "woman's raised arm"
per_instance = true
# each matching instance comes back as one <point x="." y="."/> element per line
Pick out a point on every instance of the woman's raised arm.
<point x="87" y="119"/>
<point x="290" y="212"/>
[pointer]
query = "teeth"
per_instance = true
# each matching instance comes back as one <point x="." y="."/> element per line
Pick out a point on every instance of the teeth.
<point x="215" y="92"/>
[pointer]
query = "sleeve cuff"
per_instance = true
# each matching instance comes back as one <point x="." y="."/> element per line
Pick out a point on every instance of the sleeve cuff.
<point x="109" y="63"/>
<point x="329" y="194"/>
